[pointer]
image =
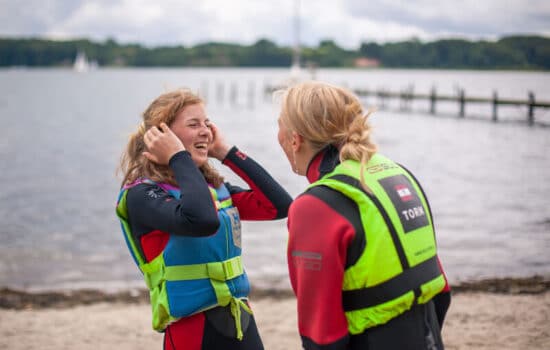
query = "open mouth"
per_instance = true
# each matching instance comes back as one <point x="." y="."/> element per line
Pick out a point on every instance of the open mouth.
<point x="203" y="146"/>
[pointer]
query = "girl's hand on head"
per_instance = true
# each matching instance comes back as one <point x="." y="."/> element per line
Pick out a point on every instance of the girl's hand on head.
<point x="161" y="144"/>
<point x="218" y="148"/>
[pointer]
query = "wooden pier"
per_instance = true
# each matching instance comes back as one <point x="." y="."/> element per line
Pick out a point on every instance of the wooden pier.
<point x="243" y="94"/>
<point x="406" y="97"/>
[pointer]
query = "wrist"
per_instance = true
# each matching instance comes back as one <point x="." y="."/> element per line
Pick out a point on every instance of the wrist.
<point x="179" y="154"/>
<point x="222" y="152"/>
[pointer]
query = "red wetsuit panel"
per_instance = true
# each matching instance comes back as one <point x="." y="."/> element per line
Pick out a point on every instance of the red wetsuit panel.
<point x="153" y="243"/>
<point x="253" y="206"/>
<point x="318" y="242"/>
<point x="185" y="334"/>
<point x="266" y="199"/>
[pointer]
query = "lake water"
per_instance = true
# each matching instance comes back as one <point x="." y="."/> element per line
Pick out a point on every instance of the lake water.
<point x="62" y="134"/>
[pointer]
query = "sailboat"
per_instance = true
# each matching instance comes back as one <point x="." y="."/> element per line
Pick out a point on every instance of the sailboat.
<point x="81" y="64"/>
<point x="295" y="69"/>
<point x="297" y="74"/>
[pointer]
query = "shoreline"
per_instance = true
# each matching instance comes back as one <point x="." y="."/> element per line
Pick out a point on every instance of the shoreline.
<point x="502" y="314"/>
<point x="16" y="299"/>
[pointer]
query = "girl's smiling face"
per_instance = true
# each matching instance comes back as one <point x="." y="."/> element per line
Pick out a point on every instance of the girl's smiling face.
<point x="192" y="127"/>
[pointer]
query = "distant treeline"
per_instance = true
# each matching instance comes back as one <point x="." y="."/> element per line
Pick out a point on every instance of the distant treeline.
<point x="512" y="52"/>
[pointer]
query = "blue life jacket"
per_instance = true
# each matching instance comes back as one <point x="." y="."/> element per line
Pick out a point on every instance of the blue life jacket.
<point x="193" y="274"/>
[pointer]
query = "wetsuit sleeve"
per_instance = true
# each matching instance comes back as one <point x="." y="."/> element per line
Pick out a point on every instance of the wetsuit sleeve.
<point x="319" y="238"/>
<point x="194" y="214"/>
<point x="266" y="199"/>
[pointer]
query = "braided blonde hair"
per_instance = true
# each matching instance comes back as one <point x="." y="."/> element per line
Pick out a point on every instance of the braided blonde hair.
<point x="324" y="114"/>
<point x="164" y="108"/>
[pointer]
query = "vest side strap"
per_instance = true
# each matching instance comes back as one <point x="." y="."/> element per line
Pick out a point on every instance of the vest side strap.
<point x="225" y="203"/>
<point x="219" y="271"/>
<point x="405" y="282"/>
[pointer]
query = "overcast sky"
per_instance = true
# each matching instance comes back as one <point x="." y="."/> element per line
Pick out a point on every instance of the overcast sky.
<point x="347" y="22"/>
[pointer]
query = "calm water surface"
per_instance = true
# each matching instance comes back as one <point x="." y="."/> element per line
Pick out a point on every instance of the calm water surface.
<point x="62" y="134"/>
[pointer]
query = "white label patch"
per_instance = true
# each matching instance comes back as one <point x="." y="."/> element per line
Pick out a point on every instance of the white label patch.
<point x="233" y="214"/>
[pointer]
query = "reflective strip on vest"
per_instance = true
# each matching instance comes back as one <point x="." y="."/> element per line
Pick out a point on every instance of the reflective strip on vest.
<point x="394" y="288"/>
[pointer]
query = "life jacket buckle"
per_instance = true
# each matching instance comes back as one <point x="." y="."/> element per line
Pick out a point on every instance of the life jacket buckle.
<point x="225" y="270"/>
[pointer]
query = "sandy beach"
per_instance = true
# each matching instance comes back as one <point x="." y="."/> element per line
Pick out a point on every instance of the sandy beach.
<point x="476" y="320"/>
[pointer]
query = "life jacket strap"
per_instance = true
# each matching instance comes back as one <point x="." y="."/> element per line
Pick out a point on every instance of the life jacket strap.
<point x="225" y="203"/>
<point x="236" y="305"/>
<point x="219" y="271"/>
<point x="155" y="271"/>
<point x="405" y="282"/>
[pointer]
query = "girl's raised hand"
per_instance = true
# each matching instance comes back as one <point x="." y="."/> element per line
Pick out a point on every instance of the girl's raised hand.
<point x="161" y="144"/>
<point x="219" y="148"/>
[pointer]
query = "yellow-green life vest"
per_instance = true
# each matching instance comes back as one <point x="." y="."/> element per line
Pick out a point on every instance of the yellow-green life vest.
<point x="398" y="266"/>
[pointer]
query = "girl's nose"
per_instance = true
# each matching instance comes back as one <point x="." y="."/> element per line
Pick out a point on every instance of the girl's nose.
<point x="205" y="129"/>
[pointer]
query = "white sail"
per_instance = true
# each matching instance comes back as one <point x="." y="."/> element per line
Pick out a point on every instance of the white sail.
<point x="81" y="63"/>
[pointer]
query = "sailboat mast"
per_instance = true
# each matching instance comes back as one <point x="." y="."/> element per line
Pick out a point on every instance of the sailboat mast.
<point x="296" y="51"/>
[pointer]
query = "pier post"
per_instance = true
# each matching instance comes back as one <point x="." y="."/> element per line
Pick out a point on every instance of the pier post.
<point x="410" y="94"/>
<point x="267" y="91"/>
<point x="233" y="93"/>
<point x="251" y="94"/>
<point x="461" y="101"/>
<point x="219" y="93"/>
<point x="495" y="104"/>
<point x="432" y="100"/>
<point x="406" y="98"/>
<point x="381" y="95"/>
<point x="203" y="92"/>
<point x="531" y="107"/>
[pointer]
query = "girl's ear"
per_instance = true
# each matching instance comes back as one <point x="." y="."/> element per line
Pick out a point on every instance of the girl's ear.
<point x="297" y="141"/>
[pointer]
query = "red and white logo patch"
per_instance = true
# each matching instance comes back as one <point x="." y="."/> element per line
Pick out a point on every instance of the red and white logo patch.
<point x="403" y="192"/>
<point x="240" y="155"/>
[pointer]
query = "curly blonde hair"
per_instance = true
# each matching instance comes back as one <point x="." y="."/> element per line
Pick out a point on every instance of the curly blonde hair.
<point x="164" y="108"/>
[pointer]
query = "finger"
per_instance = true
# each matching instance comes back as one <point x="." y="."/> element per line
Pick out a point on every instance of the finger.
<point x="213" y="129"/>
<point x="148" y="138"/>
<point x="150" y="156"/>
<point x="165" y="128"/>
<point x="154" y="131"/>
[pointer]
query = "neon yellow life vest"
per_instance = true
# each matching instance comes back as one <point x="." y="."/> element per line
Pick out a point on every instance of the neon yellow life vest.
<point x="398" y="266"/>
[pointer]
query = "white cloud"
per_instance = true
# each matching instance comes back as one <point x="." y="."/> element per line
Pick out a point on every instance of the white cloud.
<point x="348" y="22"/>
<point x="470" y="18"/>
